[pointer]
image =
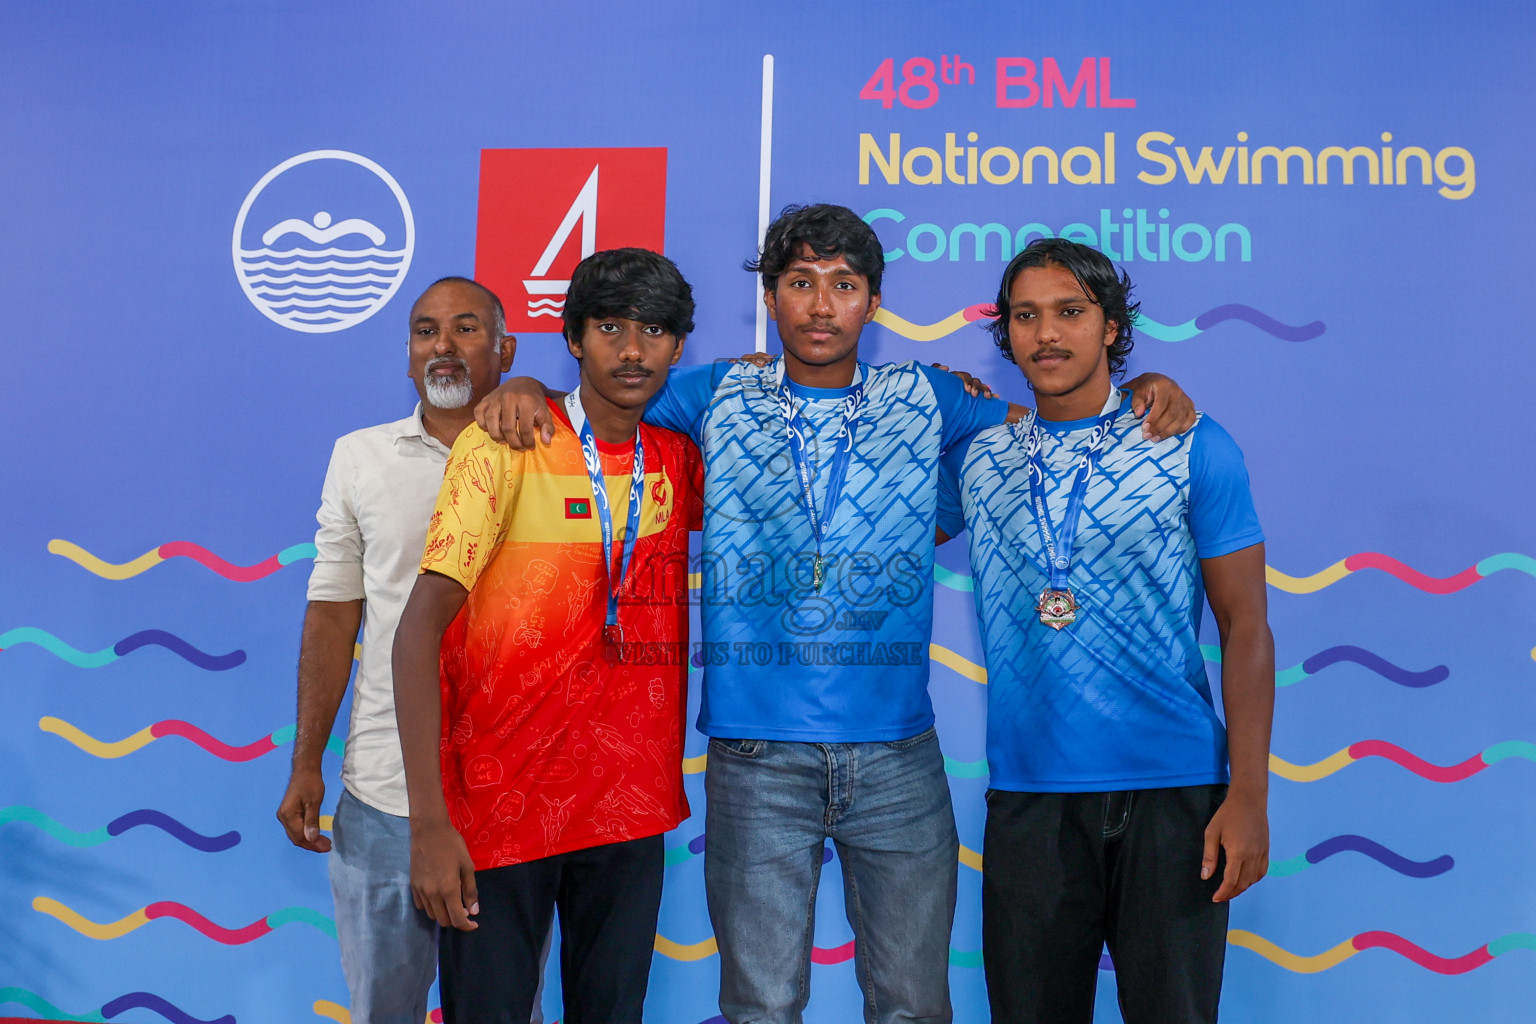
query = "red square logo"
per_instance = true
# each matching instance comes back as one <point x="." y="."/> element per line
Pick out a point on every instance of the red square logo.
<point x="542" y="211"/>
<point x="578" y="508"/>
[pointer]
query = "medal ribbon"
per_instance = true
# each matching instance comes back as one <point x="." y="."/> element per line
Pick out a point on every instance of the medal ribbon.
<point x="842" y="451"/>
<point x="594" y="461"/>
<point x="1058" y="545"/>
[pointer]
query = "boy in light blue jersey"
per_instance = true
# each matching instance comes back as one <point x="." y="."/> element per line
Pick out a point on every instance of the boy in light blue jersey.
<point x="821" y="477"/>
<point x="1093" y="551"/>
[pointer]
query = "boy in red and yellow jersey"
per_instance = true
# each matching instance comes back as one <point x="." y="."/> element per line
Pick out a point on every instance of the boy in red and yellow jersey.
<point x="543" y="738"/>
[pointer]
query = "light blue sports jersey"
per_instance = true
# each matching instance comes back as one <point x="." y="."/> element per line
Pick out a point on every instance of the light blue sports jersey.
<point x="1118" y="699"/>
<point x="781" y="660"/>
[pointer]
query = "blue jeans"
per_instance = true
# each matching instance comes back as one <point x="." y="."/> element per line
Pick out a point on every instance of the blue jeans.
<point x="772" y="806"/>
<point x="388" y="947"/>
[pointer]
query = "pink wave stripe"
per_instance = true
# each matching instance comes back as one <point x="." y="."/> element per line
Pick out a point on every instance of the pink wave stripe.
<point x="1410" y="575"/>
<point x="832" y="956"/>
<point x="188" y="916"/>
<point x="218" y="748"/>
<point x="200" y="554"/>
<point x="1433" y="772"/>
<point x="1439" y="964"/>
<point x="978" y="312"/>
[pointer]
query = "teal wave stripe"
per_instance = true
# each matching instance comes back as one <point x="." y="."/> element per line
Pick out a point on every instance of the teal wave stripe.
<point x="42" y="1007"/>
<point x="965" y="769"/>
<point x="1288" y="867"/>
<point x="285" y="735"/>
<point x="1162" y="332"/>
<point x="302" y="915"/>
<point x="297" y="553"/>
<point x="961" y="958"/>
<point x="1514" y="940"/>
<point x="944" y="578"/>
<point x="1509" y="748"/>
<point x="1508" y="560"/>
<point x="1294" y="674"/>
<point x="678" y="855"/>
<point x="64" y="834"/>
<point x="58" y="648"/>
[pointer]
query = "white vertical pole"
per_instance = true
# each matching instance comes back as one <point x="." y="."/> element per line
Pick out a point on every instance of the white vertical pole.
<point x="764" y="174"/>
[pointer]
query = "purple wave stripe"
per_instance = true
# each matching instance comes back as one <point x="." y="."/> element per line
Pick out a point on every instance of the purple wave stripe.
<point x="168" y="824"/>
<point x="1105" y="963"/>
<point x="1396" y="861"/>
<point x="166" y="1009"/>
<point x="1263" y="321"/>
<point x="176" y="645"/>
<point x="1376" y="663"/>
<point x="696" y="844"/>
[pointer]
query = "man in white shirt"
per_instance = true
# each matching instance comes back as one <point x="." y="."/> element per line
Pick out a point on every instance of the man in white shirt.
<point x="378" y="496"/>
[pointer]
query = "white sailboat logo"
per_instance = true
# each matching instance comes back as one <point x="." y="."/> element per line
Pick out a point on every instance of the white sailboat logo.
<point x="583" y="209"/>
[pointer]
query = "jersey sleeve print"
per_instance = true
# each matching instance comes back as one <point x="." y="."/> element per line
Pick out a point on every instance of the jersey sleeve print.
<point x="1221" y="513"/>
<point x="480" y="487"/>
<point x="960" y="414"/>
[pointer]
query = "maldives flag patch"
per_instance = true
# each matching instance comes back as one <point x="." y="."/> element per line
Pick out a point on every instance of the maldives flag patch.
<point x="578" y="508"/>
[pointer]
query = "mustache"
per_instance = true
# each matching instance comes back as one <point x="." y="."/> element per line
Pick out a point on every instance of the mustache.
<point x="637" y="368"/>
<point x="1047" y="353"/>
<point x="440" y="361"/>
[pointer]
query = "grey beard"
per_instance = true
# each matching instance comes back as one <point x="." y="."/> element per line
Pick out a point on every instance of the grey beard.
<point x="448" y="393"/>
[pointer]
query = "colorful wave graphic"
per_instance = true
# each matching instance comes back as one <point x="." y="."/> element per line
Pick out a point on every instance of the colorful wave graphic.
<point x="186" y="915"/>
<point x="1370" y="848"/>
<point x="117" y="826"/>
<point x="122" y="1004"/>
<point x="1409" y="575"/>
<point x="1359" y="655"/>
<point x="175" y="727"/>
<point x="1392" y="752"/>
<point x="106" y="656"/>
<point x="341" y="1015"/>
<point x="180" y="549"/>
<point x="1144" y="324"/>
<point x="1381" y="940"/>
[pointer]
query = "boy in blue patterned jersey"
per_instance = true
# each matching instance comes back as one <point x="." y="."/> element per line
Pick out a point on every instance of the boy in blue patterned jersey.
<point x="1093" y="549"/>
<point x="817" y="605"/>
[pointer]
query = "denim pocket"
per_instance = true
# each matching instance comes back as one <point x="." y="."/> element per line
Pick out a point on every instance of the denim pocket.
<point x="913" y="741"/>
<point x="738" y="748"/>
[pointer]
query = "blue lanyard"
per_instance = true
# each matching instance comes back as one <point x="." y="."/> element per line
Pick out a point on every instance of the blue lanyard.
<point x="1058" y="544"/>
<point x="589" y="453"/>
<point x="837" y="471"/>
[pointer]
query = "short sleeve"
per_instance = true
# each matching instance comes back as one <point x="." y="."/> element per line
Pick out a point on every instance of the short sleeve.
<point x="337" y="574"/>
<point x="681" y="402"/>
<point x="951" y="514"/>
<point x="479" y="492"/>
<point x="1222" y="518"/>
<point x="961" y="415"/>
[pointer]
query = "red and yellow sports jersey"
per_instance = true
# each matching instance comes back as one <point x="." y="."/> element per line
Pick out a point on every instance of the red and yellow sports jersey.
<point x="550" y="743"/>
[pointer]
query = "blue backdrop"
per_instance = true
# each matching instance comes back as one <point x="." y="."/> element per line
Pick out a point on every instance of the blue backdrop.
<point x="1344" y="299"/>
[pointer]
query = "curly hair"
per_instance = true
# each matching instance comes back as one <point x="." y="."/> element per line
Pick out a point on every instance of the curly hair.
<point x="829" y="231"/>
<point x="1095" y="274"/>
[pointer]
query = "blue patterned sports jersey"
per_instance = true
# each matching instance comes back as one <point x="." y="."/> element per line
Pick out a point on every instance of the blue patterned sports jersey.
<point x="781" y="660"/>
<point x="1119" y="699"/>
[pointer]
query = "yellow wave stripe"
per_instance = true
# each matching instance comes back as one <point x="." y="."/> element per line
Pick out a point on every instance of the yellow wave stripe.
<point x="949" y="659"/>
<point x="89" y="928"/>
<point x="694" y="765"/>
<point x="677" y="951"/>
<point x="907" y="329"/>
<point x="90" y="744"/>
<point x="695" y="580"/>
<point x="326" y="821"/>
<point x="1290" y="961"/>
<point x="1310" y="772"/>
<point x="970" y="858"/>
<point x="357" y="652"/>
<point x="340" y="1014"/>
<point x="89" y="562"/>
<point x="1305" y="584"/>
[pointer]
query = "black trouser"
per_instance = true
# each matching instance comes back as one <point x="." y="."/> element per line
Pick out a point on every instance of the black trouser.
<point x="608" y="897"/>
<point x="1066" y="873"/>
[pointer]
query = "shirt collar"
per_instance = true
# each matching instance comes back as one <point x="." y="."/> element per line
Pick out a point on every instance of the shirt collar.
<point x="414" y="428"/>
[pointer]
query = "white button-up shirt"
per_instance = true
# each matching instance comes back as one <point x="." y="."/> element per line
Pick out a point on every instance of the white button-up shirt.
<point x="379" y="492"/>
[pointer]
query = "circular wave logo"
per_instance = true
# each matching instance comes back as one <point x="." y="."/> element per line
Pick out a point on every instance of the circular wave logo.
<point x="323" y="241"/>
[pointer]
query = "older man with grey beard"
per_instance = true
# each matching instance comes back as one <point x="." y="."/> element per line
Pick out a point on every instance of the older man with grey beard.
<point x="378" y="496"/>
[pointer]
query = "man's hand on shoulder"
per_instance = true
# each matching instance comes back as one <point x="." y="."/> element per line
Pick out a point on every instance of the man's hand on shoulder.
<point x="1165" y="408"/>
<point x="300" y="810"/>
<point x="516" y="414"/>
<point x="443" y="876"/>
<point x="974" y="387"/>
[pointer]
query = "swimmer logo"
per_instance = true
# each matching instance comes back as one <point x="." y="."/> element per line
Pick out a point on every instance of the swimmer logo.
<point x="323" y="241"/>
<point x="542" y="211"/>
